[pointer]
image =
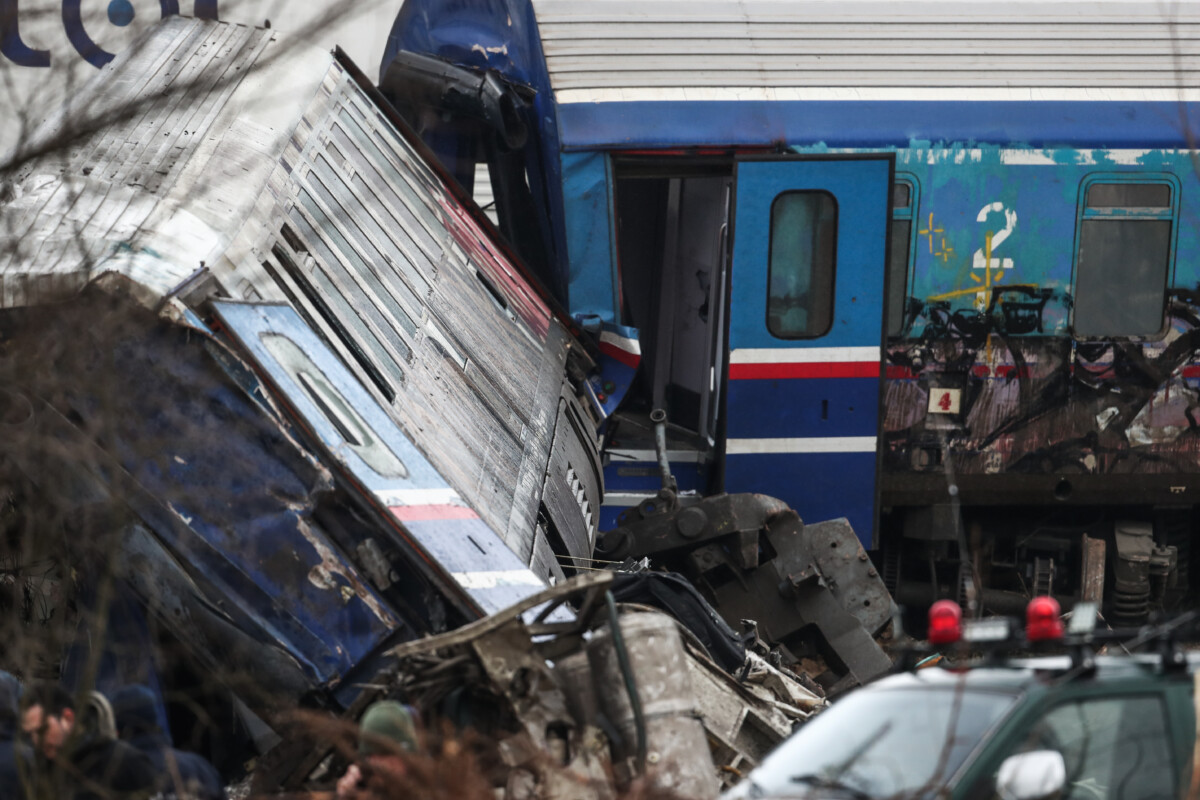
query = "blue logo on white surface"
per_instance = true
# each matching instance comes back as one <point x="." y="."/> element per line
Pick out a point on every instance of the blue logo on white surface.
<point x="121" y="14"/>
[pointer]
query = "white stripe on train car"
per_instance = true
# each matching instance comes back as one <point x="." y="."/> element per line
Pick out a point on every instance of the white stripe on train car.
<point x="675" y="94"/>
<point x="419" y="497"/>
<point x="818" y="444"/>
<point x="802" y="355"/>
<point x="494" y="578"/>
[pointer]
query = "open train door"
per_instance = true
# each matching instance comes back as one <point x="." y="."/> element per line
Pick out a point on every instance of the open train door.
<point x="805" y="333"/>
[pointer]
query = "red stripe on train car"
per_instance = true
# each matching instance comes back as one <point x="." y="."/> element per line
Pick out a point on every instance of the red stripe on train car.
<point x="811" y="369"/>
<point x="624" y="356"/>
<point x="432" y="512"/>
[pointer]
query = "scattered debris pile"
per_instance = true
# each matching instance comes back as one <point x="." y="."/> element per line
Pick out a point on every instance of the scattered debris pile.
<point x="581" y="706"/>
<point x="811" y="588"/>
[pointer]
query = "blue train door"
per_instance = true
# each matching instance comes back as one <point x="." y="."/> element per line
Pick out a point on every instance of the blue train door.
<point x="805" y="333"/>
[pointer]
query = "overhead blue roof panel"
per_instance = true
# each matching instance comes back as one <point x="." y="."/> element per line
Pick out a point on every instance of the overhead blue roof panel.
<point x="881" y="123"/>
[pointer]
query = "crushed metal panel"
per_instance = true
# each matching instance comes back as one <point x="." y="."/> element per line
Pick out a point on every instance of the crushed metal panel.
<point x="226" y="491"/>
<point x="170" y="172"/>
<point x="375" y="250"/>
<point x="263" y="171"/>
<point x="465" y="554"/>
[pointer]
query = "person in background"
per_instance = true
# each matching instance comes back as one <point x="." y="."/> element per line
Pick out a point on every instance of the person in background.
<point x="384" y="733"/>
<point x="183" y="774"/>
<point x="76" y="763"/>
<point x="16" y="758"/>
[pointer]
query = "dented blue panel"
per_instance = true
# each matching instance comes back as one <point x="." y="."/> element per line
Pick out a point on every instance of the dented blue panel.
<point x="232" y="497"/>
<point x="463" y="554"/>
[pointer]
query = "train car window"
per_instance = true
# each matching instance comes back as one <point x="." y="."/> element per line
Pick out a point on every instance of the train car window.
<point x="1124" y="257"/>
<point x="801" y="264"/>
<point x="899" y="253"/>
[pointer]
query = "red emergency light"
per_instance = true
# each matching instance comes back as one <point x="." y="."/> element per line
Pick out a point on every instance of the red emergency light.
<point x="1043" y="622"/>
<point x="945" y="622"/>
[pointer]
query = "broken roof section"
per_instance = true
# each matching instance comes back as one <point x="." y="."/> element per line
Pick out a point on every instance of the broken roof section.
<point x="319" y="282"/>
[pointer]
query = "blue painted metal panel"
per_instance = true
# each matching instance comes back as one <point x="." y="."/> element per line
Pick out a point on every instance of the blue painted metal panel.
<point x="890" y="123"/>
<point x="231" y="496"/>
<point x="591" y="258"/>
<point x="861" y="188"/>
<point x="464" y="555"/>
<point x="826" y="485"/>
<point x="796" y="429"/>
<point x="796" y="407"/>
<point x="1019" y="205"/>
<point x="501" y="35"/>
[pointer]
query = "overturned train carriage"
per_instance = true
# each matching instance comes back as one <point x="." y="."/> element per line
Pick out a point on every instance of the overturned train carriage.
<point x="273" y="400"/>
<point x="932" y="266"/>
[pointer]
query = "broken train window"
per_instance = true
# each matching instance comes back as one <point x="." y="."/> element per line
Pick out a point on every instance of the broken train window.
<point x="1125" y="248"/>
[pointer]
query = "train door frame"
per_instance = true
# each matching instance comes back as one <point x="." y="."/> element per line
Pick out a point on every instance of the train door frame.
<point x="803" y="406"/>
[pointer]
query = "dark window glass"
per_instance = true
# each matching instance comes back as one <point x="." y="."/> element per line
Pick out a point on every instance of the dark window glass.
<point x="1121" y="278"/>
<point x="894" y="743"/>
<point x="1124" y="260"/>
<point x="897" y="274"/>
<point x="1112" y="748"/>
<point x="801" y="270"/>
<point x="1129" y="195"/>
<point x="901" y="195"/>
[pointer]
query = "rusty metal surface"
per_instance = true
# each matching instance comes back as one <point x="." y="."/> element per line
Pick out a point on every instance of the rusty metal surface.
<point x="810" y="588"/>
<point x="1038" y="410"/>
<point x="1092" y="570"/>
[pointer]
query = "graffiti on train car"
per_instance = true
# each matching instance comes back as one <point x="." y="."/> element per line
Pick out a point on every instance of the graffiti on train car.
<point x="1002" y="358"/>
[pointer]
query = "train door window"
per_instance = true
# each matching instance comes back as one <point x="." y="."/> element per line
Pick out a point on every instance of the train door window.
<point x="904" y="207"/>
<point x="801" y="265"/>
<point x="1125" y="243"/>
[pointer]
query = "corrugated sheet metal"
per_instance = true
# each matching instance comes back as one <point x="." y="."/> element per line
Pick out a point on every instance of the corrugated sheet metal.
<point x="673" y="49"/>
<point x="287" y="184"/>
<point x="127" y="154"/>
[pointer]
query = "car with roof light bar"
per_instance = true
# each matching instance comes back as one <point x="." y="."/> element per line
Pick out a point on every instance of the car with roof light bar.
<point x="971" y="715"/>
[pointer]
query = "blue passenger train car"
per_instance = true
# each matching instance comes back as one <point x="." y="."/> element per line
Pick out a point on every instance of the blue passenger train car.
<point x="929" y="266"/>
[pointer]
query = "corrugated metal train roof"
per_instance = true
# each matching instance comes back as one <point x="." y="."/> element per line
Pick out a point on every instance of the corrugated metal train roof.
<point x="600" y="50"/>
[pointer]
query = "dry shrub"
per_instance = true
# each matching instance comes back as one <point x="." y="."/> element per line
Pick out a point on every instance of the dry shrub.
<point x="449" y="765"/>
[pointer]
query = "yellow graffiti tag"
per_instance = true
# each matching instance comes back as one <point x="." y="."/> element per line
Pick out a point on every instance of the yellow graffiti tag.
<point x="929" y="231"/>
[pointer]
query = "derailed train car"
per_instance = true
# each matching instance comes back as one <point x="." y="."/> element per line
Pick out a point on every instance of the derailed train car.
<point x="275" y="402"/>
<point x="928" y="266"/>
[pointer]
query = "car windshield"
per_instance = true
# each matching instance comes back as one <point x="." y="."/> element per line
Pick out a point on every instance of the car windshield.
<point x="877" y="744"/>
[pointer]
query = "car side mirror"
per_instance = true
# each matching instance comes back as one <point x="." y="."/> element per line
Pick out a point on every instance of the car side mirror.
<point x="1037" y="775"/>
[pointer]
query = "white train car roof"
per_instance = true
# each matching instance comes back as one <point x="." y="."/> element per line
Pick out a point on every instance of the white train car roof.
<point x="629" y="50"/>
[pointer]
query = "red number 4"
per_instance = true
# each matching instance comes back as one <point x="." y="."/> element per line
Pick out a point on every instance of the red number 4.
<point x="944" y="402"/>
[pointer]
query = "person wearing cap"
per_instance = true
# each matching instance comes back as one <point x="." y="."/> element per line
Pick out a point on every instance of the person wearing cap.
<point x="16" y="757"/>
<point x="384" y="733"/>
<point x="182" y="774"/>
